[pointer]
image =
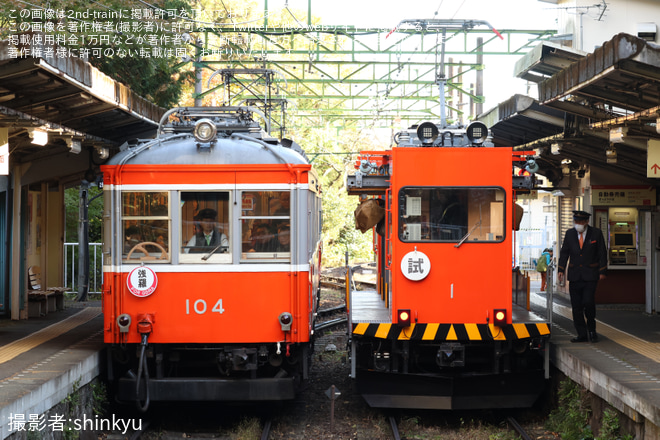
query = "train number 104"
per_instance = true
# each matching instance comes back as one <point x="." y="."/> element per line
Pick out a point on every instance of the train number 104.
<point x="200" y="307"/>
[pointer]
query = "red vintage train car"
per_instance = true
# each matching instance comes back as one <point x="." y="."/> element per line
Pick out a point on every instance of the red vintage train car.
<point x="211" y="261"/>
<point x="441" y="330"/>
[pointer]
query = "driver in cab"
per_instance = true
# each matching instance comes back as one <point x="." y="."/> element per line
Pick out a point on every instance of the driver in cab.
<point x="208" y="235"/>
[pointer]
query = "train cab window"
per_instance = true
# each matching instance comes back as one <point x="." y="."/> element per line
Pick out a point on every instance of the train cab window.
<point x="146" y="226"/>
<point x="265" y="226"/>
<point x="446" y="214"/>
<point x="205" y="227"/>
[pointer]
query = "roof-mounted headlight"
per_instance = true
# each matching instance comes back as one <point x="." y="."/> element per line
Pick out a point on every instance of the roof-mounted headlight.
<point x="204" y="130"/>
<point x="477" y="132"/>
<point x="427" y="132"/>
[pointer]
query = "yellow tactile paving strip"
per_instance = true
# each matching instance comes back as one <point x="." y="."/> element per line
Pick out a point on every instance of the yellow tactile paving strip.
<point x="649" y="349"/>
<point x="16" y="348"/>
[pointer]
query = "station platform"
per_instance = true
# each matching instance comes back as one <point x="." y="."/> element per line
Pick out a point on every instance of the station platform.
<point x="622" y="368"/>
<point x="43" y="360"/>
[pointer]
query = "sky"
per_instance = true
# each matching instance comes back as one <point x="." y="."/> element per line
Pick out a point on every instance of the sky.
<point x="511" y="14"/>
<point x="499" y="82"/>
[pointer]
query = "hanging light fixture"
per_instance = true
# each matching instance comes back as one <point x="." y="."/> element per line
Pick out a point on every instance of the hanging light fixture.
<point x="38" y="135"/>
<point x="610" y="154"/>
<point x="75" y="146"/>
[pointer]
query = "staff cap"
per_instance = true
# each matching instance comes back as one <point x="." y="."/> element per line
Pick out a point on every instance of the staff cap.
<point x="207" y="213"/>
<point x="581" y="215"/>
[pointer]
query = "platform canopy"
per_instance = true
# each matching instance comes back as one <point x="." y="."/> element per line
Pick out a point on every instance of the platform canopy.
<point x="70" y="100"/>
<point x="598" y="109"/>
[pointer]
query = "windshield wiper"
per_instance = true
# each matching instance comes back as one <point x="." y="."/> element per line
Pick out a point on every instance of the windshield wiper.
<point x="476" y="225"/>
<point x="207" y="256"/>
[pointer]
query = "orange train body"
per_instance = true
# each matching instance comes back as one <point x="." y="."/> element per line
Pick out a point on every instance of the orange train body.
<point x="441" y="330"/>
<point x="460" y="276"/>
<point x="211" y="262"/>
<point x="183" y="307"/>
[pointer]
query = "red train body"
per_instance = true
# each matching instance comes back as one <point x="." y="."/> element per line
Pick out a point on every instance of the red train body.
<point x="211" y="261"/>
<point x="441" y="330"/>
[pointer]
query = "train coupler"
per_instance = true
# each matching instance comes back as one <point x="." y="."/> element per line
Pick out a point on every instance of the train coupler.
<point x="450" y="355"/>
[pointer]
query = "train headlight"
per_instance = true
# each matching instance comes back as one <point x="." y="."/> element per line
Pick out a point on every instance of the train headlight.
<point x="403" y="317"/>
<point x="499" y="317"/>
<point x="427" y="132"/>
<point x="124" y="322"/>
<point x="204" y="130"/>
<point x="285" y="321"/>
<point x="477" y="132"/>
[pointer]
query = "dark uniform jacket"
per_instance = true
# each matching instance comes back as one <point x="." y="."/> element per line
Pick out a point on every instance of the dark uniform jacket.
<point x="199" y="244"/>
<point x="585" y="264"/>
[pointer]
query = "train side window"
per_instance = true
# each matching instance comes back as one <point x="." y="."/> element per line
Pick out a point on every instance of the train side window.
<point x="446" y="214"/>
<point x="205" y="227"/>
<point x="146" y="226"/>
<point x="265" y="226"/>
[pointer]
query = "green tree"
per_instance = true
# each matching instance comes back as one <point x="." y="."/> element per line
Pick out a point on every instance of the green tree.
<point x="333" y="155"/>
<point x="159" y="79"/>
<point x="95" y="215"/>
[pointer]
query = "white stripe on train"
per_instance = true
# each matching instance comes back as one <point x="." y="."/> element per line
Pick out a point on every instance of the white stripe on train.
<point x="205" y="186"/>
<point x="227" y="268"/>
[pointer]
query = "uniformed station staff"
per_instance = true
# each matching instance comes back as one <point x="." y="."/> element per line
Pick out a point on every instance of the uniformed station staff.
<point x="585" y="252"/>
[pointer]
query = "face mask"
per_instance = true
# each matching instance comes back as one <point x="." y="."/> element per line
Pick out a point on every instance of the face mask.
<point x="580" y="228"/>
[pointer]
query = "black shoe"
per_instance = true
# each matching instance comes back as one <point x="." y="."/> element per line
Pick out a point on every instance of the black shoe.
<point x="580" y="339"/>
<point x="593" y="336"/>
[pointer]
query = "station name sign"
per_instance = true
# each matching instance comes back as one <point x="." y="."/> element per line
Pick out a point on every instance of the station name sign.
<point x="623" y="195"/>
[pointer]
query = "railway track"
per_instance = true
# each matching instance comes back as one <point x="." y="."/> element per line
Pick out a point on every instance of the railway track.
<point x="332" y="310"/>
<point x="147" y="434"/>
<point x="331" y="284"/>
<point x="161" y="427"/>
<point x="339" y="284"/>
<point x="395" y="428"/>
<point x="325" y="323"/>
<point x="518" y="428"/>
<point x="326" y="317"/>
<point x="267" y="422"/>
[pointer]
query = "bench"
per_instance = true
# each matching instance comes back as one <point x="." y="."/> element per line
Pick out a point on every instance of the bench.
<point x="41" y="301"/>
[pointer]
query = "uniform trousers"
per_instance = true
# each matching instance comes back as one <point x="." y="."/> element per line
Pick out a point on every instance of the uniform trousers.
<point x="583" y="303"/>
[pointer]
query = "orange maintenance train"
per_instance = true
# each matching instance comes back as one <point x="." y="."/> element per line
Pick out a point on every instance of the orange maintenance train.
<point x="211" y="261"/>
<point x="441" y="330"/>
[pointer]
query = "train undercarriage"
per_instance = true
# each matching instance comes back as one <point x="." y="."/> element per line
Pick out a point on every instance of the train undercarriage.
<point x="449" y="375"/>
<point x="208" y="372"/>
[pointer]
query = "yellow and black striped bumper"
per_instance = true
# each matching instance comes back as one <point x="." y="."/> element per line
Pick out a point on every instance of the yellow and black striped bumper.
<point x="452" y="332"/>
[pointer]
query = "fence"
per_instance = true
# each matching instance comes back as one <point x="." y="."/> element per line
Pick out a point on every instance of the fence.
<point x="530" y="244"/>
<point x="95" y="267"/>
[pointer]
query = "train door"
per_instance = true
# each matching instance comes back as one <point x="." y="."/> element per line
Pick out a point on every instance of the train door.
<point x="383" y="242"/>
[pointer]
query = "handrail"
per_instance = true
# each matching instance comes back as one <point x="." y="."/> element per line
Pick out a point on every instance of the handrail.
<point x="549" y="294"/>
<point x="549" y="291"/>
<point x="388" y="228"/>
<point x="96" y="266"/>
<point x="349" y="313"/>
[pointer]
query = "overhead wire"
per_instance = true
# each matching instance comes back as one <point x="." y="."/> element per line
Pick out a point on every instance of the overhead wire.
<point x="439" y="6"/>
<point x="389" y="88"/>
<point x="458" y="9"/>
<point x="227" y="11"/>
